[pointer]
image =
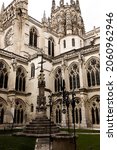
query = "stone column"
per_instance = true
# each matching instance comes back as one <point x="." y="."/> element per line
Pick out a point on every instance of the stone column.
<point x="81" y="71"/>
<point x="12" y="75"/>
<point x="83" y="124"/>
<point x="64" y="66"/>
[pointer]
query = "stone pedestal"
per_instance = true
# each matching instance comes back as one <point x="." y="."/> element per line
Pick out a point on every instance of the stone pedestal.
<point x="63" y="142"/>
<point x="40" y="125"/>
<point x="58" y="142"/>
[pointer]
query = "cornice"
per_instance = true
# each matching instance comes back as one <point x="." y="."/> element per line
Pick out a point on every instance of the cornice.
<point x="11" y="55"/>
<point x="75" y="52"/>
<point x="34" y="21"/>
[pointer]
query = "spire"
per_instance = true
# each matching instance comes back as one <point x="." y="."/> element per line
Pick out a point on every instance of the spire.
<point x="72" y="2"/>
<point x="61" y="2"/>
<point x="53" y="4"/>
<point x="77" y="6"/>
<point x="44" y="19"/>
<point x="2" y="8"/>
<point x="1" y="13"/>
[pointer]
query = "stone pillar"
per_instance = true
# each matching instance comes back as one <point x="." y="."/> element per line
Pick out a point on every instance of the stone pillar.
<point x="64" y="65"/>
<point x="81" y="71"/>
<point x="12" y="76"/>
<point x="83" y="124"/>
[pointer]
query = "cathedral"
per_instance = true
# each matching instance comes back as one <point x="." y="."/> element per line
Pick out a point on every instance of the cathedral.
<point x="70" y="54"/>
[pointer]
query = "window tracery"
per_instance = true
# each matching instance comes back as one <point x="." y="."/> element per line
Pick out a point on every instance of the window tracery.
<point x="32" y="70"/>
<point x="58" y="80"/>
<point x="20" y="80"/>
<point x="3" y="75"/>
<point x="33" y="37"/>
<point x="51" y="47"/>
<point x="74" y="77"/>
<point x="93" y="73"/>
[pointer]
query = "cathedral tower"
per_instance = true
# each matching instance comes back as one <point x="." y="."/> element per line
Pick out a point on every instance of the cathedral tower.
<point x="66" y="19"/>
<point x="12" y="22"/>
<point x="67" y="22"/>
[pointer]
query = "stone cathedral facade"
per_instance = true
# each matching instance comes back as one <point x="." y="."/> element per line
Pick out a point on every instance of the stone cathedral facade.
<point x="69" y="53"/>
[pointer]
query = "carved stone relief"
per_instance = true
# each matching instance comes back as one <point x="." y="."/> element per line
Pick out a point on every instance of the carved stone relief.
<point x="8" y="38"/>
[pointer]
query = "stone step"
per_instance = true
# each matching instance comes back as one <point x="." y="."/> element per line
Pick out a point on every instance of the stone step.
<point x="40" y="125"/>
<point x="40" y="128"/>
<point x="37" y="122"/>
<point x="41" y="131"/>
<point x="43" y="140"/>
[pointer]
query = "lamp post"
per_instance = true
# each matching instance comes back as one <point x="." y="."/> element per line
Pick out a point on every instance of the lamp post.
<point x="50" y="103"/>
<point x="67" y="105"/>
<point x="66" y="101"/>
<point x="73" y="111"/>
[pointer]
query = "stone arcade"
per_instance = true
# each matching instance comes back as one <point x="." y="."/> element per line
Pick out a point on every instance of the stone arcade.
<point x="70" y="54"/>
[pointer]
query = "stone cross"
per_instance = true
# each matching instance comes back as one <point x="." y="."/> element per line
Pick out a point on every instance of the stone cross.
<point x="42" y="62"/>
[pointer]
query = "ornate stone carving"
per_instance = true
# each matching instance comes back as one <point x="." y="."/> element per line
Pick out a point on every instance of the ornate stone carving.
<point x="8" y="38"/>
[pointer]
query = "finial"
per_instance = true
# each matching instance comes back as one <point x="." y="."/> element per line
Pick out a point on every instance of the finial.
<point x="77" y="5"/>
<point x="44" y="19"/>
<point x="61" y="2"/>
<point x="2" y="8"/>
<point x="53" y="4"/>
<point x="72" y="2"/>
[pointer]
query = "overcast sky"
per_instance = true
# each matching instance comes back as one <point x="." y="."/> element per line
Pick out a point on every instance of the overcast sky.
<point x="90" y="10"/>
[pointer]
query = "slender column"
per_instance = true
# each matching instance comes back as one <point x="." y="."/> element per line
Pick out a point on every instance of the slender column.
<point x="83" y="124"/>
<point x="81" y="70"/>
<point x="12" y="75"/>
<point x="64" y="121"/>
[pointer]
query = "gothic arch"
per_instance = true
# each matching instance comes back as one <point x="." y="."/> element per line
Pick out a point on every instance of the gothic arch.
<point x="20" y="84"/>
<point x="33" y="35"/>
<point x="58" y="111"/>
<point x="3" y="106"/>
<point x="4" y="73"/>
<point x="19" y="112"/>
<point x="74" y="76"/>
<point x="58" y="79"/>
<point x="95" y="109"/>
<point x="77" y="111"/>
<point x="92" y="57"/>
<point x="93" y="71"/>
<point x="32" y="70"/>
<point x="20" y="66"/>
<point x="7" y="65"/>
<point x="75" y="62"/>
<point x="3" y="101"/>
<point x="51" y="46"/>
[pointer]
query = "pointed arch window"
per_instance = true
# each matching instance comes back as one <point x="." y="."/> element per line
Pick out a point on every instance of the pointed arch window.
<point x="32" y="107"/>
<point x="77" y="115"/>
<point x="58" y="115"/>
<point x="95" y="111"/>
<point x="33" y="37"/>
<point x="58" y="80"/>
<point x="73" y="42"/>
<point x="20" y="80"/>
<point x="32" y="70"/>
<point x="51" y="47"/>
<point x="93" y="73"/>
<point x="1" y="113"/>
<point x="64" y="43"/>
<point x="74" y="78"/>
<point x="3" y="75"/>
<point x="18" y="113"/>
